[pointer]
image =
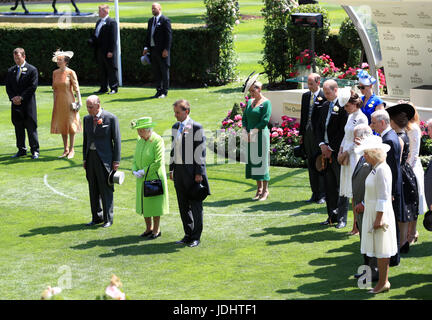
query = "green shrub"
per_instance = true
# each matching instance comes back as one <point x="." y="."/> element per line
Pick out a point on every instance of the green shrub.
<point x="350" y="39"/>
<point x="194" y="58"/>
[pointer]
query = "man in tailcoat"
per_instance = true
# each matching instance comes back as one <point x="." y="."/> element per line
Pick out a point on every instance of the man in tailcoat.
<point x="311" y="101"/>
<point x="104" y="41"/>
<point x="158" y="43"/>
<point x="188" y="168"/>
<point x="380" y="123"/>
<point x="101" y="155"/>
<point x="428" y="173"/>
<point x="329" y="133"/>
<point x="21" y="85"/>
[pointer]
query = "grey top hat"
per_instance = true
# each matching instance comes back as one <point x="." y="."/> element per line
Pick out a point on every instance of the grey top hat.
<point x="145" y="59"/>
<point x="116" y="177"/>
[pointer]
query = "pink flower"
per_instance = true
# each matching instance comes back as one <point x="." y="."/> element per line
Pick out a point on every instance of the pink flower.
<point x="240" y="124"/>
<point x="115" y="293"/>
<point x="242" y="105"/>
<point x="274" y="134"/>
<point x="364" y="65"/>
<point x="224" y="123"/>
<point x="237" y="117"/>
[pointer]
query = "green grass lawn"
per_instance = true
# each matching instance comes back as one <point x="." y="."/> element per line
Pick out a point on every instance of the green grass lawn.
<point x="249" y="250"/>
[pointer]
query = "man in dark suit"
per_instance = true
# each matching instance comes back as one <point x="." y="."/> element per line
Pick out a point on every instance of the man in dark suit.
<point x="188" y="168"/>
<point x="311" y="101"/>
<point x="21" y="85"/>
<point x="380" y="123"/>
<point x="104" y="41"/>
<point x="360" y="173"/>
<point x="101" y="155"/>
<point x="329" y="133"/>
<point x="158" y="43"/>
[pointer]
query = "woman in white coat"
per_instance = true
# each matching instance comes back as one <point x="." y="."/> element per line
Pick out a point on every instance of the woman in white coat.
<point x="347" y="158"/>
<point x="379" y="224"/>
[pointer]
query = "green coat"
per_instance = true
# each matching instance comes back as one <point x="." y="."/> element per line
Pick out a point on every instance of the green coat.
<point x="257" y="167"/>
<point x="151" y="153"/>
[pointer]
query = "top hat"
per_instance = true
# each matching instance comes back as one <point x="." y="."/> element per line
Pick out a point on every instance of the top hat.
<point x="59" y="53"/>
<point x="142" y="123"/>
<point x="427" y="221"/>
<point x="116" y="177"/>
<point x="249" y="82"/>
<point x="344" y="94"/>
<point x="198" y="192"/>
<point x="145" y="59"/>
<point x="371" y="142"/>
<point x="365" y="78"/>
<point x="401" y="107"/>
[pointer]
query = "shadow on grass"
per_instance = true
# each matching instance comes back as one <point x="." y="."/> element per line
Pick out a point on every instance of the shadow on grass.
<point x="284" y="206"/>
<point x="55" y="230"/>
<point x="225" y="203"/>
<point x="148" y="248"/>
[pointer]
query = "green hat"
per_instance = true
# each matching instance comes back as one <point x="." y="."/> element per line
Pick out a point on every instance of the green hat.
<point x="142" y="123"/>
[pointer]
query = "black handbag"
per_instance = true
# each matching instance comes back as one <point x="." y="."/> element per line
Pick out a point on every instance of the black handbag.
<point x="299" y="151"/>
<point x="152" y="188"/>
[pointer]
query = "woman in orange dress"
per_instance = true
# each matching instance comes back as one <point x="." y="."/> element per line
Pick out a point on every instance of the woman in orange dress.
<point x="65" y="120"/>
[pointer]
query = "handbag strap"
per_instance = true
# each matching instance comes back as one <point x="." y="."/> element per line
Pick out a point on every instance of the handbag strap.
<point x="145" y="178"/>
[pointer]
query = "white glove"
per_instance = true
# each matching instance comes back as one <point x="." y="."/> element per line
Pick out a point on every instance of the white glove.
<point x="141" y="172"/>
<point x="137" y="174"/>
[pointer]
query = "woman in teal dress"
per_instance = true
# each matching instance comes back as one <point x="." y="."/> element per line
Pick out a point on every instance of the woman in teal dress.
<point x="255" y="120"/>
<point x="149" y="164"/>
<point x="371" y="102"/>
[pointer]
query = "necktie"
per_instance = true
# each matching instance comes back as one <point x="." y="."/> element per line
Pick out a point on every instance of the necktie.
<point x="152" y="44"/>
<point x="327" y="121"/>
<point x="95" y="120"/>
<point x="311" y="106"/>
<point x="18" y="73"/>
<point x="181" y="127"/>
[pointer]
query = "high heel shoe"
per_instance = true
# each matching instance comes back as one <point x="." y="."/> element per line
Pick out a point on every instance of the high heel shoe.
<point x="71" y="154"/>
<point x="383" y="289"/>
<point x="405" y="248"/>
<point x="146" y="234"/>
<point x="263" y="196"/>
<point x="414" y="239"/>
<point x="65" y="154"/>
<point x="257" y="195"/>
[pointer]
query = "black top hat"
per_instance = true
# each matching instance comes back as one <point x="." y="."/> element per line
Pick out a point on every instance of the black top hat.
<point x="401" y="107"/>
<point x="198" y="192"/>
<point x="427" y="221"/>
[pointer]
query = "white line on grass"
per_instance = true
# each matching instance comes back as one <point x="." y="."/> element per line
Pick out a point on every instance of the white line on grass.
<point x="207" y="214"/>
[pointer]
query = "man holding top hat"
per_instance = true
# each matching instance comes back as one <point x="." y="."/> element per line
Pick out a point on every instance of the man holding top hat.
<point x="188" y="171"/>
<point x="101" y="155"/>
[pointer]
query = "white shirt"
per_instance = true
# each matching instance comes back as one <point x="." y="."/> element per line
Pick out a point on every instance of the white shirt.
<point x="153" y="29"/>
<point x="100" y="25"/>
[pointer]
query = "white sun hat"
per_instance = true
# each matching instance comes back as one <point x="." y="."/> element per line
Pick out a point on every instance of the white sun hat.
<point x="371" y="142"/>
<point x="249" y="82"/>
<point x="59" y="53"/>
<point x="344" y="94"/>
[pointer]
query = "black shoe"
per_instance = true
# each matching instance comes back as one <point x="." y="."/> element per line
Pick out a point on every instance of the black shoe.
<point x="93" y="223"/>
<point x="405" y="248"/>
<point x="327" y="222"/>
<point x="35" y="155"/>
<point x="157" y="94"/>
<point x="101" y="91"/>
<point x="341" y="225"/>
<point x="321" y="200"/>
<point x="19" y="154"/>
<point x="114" y="91"/>
<point x="107" y="225"/>
<point x="194" y="243"/>
<point x="162" y="96"/>
<point x="146" y="234"/>
<point x="185" y="240"/>
<point x="312" y="199"/>
<point x="154" y="236"/>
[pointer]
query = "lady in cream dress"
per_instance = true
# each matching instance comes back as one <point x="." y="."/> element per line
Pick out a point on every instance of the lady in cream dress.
<point x="347" y="157"/>
<point x="379" y="224"/>
<point x="65" y="121"/>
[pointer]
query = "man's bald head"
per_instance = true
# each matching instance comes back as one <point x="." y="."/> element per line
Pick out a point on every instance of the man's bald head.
<point x="156" y="9"/>
<point x="93" y="105"/>
<point x="330" y="88"/>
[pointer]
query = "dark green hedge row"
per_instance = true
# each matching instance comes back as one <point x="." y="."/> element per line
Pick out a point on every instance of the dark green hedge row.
<point x="193" y="56"/>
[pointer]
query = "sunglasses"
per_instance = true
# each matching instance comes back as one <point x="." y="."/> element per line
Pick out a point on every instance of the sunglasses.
<point x="361" y="87"/>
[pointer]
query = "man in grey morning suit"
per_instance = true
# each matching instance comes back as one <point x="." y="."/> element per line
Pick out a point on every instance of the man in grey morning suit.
<point x="101" y="154"/>
<point x="361" y="171"/>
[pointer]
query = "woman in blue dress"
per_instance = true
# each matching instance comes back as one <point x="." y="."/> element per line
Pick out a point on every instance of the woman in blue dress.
<point x="371" y="102"/>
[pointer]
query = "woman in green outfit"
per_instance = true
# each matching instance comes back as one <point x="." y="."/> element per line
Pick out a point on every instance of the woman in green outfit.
<point x="255" y="120"/>
<point x="149" y="164"/>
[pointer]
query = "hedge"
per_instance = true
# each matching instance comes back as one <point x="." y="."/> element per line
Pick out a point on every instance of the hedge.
<point x="194" y="55"/>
